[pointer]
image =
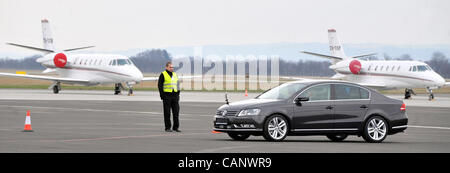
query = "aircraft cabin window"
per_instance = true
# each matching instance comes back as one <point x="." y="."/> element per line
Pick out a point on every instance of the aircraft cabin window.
<point x="320" y="92"/>
<point x="387" y="68"/>
<point x="376" y="68"/>
<point x="381" y="69"/>
<point x="114" y="63"/>
<point x="429" y="68"/>
<point x="369" y="68"/>
<point x="95" y="62"/>
<point x="398" y="69"/>
<point x="414" y="68"/>
<point x="392" y="68"/>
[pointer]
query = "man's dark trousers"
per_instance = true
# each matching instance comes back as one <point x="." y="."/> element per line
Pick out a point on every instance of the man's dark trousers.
<point x="171" y="102"/>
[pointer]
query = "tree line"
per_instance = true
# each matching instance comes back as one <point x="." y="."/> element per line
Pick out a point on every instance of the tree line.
<point x="153" y="61"/>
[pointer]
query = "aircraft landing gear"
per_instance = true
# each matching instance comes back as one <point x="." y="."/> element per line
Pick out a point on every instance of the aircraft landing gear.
<point x="430" y="94"/>
<point x="118" y="88"/>
<point x="130" y="88"/>
<point x="56" y="87"/>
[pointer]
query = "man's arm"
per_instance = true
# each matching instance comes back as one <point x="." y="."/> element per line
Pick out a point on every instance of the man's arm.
<point x="160" y="85"/>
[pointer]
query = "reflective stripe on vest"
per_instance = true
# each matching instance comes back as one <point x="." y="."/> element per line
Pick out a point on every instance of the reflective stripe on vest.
<point x="170" y="83"/>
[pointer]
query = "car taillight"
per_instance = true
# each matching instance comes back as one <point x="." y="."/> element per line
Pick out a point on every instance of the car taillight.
<point x="403" y="108"/>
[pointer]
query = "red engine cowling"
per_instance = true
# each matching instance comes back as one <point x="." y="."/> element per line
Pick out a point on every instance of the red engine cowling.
<point x="60" y="60"/>
<point x="355" y="66"/>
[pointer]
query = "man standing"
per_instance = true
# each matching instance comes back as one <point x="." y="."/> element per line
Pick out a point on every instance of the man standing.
<point x="170" y="95"/>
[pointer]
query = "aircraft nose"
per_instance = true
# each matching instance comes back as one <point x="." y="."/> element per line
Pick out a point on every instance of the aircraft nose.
<point x="137" y="76"/>
<point x="439" y="80"/>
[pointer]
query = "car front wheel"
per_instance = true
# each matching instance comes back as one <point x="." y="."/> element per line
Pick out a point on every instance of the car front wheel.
<point x="275" y="128"/>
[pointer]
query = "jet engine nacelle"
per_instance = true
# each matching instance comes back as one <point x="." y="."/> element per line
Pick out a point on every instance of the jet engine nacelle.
<point x="355" y="66"/>
<point x="60" y="60"/>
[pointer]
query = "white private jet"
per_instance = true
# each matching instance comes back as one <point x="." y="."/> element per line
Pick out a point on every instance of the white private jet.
<point x="84" y="69"/>
<point x="384" y="74"/>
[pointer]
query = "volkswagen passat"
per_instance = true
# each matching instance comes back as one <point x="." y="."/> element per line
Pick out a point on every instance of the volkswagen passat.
<point x="332" y="108"/>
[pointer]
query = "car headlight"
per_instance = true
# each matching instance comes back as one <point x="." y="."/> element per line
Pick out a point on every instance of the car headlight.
<point x="246" y="112"/>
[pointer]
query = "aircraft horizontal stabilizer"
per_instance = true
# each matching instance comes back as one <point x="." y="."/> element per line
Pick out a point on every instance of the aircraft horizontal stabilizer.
<point x="59" y="79"/>
<point x="323" y="56"/>
<point x="32" y="48"/>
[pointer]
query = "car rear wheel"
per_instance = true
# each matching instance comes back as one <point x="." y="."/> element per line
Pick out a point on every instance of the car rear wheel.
<point x="238" y="136"/>
<point x="337" y="137"/>
<point x="275" y="128"/>
<point x="375" y="130"/>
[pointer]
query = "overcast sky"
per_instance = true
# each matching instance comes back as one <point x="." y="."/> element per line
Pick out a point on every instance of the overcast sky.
<point x="120" y="25"/>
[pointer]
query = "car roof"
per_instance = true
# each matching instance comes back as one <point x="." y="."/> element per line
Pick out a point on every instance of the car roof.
<point x="317" y="81"/>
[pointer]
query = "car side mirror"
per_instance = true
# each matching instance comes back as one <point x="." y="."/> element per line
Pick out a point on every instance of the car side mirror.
<point x="298" y="100"/>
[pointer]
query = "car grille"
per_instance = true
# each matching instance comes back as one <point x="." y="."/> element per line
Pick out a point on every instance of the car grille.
<point x="229" y="113"/>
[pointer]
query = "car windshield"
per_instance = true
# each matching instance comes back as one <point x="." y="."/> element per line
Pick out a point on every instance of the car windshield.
<point x="282" y="92"/>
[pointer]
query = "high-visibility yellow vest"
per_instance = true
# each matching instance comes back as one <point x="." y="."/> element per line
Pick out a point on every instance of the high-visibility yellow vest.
<point x="170" y="83"/>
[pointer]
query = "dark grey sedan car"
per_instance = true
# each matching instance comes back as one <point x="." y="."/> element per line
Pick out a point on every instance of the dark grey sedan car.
<point x="335" y="109"/>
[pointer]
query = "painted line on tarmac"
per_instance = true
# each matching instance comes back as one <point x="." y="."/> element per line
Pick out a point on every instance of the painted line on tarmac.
<point x="94" y="110"/>
<point x="121" y="137"/>
<point x="429" y="127"/>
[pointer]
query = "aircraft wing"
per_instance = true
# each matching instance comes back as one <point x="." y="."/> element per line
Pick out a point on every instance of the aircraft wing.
<point x="179" y="77"/>
<point x="376" y="86"/>
<point x="359" y="56"/>
<point x="150" y="78"/>
<point x="293" y="78"/>
<point x="50" y="78"/>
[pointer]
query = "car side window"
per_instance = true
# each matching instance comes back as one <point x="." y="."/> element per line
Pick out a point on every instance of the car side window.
<point x="364" y="93"/>
<point x="343" y="92"/>
<point x="316" y="93"/>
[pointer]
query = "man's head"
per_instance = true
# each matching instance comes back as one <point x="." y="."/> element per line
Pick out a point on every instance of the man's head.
<point x="169" y="66"/>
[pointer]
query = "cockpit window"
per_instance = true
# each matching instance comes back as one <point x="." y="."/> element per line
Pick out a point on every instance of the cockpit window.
<point x="129" y="61"/>
<point x="121" y="62"/>
<point x="422" y="68"/>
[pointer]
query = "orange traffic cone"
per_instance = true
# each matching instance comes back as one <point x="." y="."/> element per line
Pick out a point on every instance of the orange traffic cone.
<point x="27" y="127"/>
<point x="246" y="93"/>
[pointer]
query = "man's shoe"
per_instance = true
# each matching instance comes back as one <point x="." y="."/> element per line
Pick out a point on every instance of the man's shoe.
<point x="177" y="130"/>
<point x="168" y="130"/>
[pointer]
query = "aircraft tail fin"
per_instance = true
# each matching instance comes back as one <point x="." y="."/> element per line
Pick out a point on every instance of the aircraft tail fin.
<point x="47" y="35"/>
<point x="336" y="48"/>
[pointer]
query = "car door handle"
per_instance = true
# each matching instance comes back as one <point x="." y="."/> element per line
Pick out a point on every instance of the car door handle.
<point x="364" y="106"/>
<point x="329" y="107"/>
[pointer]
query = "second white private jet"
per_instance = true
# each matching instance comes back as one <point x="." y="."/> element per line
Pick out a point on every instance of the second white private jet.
<point x="84" y="69"/>
<point x="384" y="74"/>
